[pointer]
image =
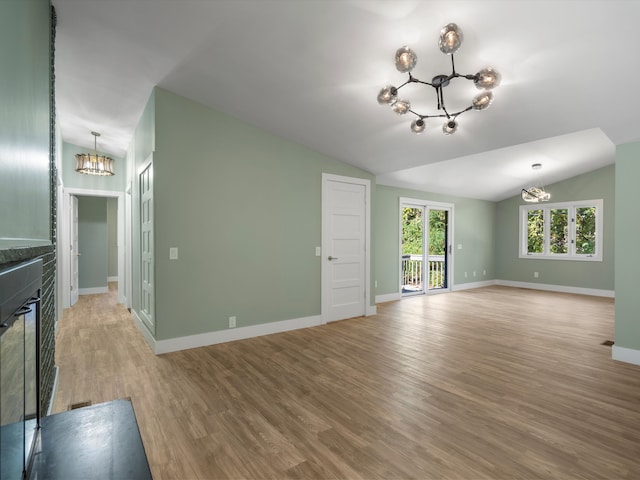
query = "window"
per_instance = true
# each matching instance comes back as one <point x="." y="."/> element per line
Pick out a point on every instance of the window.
<point x="562" y="231"/>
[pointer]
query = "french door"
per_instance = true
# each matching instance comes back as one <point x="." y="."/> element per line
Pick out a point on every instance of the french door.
<point x="425" y="247"/>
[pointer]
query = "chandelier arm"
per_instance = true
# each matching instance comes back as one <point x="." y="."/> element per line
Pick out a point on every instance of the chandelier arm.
<point x="453" y="68"/>
<point x="454" y="115"/>
<point x="415" y="80"/>
<point x="442" y="115"/>
<point x="440" y="98"/>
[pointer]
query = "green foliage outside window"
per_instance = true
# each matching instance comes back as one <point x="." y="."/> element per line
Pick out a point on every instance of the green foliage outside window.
<point x="559" y="231"/>
<point x="560" y="226"/>
<point x="412" y="231"/>
<point x="586" y="230"/>
<point x="535" y="233"/>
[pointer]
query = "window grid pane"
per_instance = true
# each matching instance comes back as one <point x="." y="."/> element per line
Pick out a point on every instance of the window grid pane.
<point x="585" y="230"/>
<point x="535" y="231"/>
<point x="559" y="231"/>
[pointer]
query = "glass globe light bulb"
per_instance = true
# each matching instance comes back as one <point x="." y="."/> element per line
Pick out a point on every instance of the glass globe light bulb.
<point x="487" y="78"/>
<point x="417" y="126"/>
<point x="482" y="100"/>
<point x="405" y="59"/>
<point x="450" y="127"/>
<point x="401" y="107"/>
<point x="388" y="95"/>
<point x="450" y="39"/>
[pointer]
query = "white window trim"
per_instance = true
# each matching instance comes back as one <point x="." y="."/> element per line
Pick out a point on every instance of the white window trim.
<point x="571" y="206"/>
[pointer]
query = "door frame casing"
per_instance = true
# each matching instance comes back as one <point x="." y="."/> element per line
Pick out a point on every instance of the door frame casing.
<point x="64" y="262"/>
<point x="426" y="204"/>
<point x="324" y="270"/>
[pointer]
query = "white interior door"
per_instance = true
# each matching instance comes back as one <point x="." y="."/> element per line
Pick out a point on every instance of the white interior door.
<point x="146" y="246"/>
<point x="344" y="245"/>
<point x="74" y="251"/>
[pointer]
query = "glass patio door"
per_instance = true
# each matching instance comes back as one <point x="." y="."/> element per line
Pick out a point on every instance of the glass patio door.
<point x="437" y="258"/>
<point x="425" y="248"/>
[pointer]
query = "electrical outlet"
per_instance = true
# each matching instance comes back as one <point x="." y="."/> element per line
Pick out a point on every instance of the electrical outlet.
<point x="465" y="274"/>
<point x="375" y="284"/>
<point x="474" y="274"/>
<point x="232" y="322"/>
<point x="535" y="275"/>
<point x="484" y="273"/>
<point x="173" y="253"/>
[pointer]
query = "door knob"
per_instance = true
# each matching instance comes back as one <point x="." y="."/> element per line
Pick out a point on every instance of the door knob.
<point x="332" y="258"/>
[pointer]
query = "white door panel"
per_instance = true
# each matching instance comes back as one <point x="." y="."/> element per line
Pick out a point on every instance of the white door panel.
<point x="344" y="244"/>
<point x="147" y="301"/>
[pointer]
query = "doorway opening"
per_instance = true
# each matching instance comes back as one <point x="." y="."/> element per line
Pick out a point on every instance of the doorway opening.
<point x="68" y="234"/>
<point x="425" y="247"/>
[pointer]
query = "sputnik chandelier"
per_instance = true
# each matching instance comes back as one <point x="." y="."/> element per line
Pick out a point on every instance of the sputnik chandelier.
<point x="450" y="41"/>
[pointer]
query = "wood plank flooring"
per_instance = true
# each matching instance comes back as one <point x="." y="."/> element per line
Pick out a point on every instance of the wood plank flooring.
<point x="492" y="383"/>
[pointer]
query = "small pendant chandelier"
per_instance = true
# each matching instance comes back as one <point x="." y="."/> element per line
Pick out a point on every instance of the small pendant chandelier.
<point x="94" y="164"/>
<point x="536" y="193"/>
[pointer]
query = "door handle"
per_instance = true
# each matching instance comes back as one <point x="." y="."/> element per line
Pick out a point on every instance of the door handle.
<point x="332" y="258"/>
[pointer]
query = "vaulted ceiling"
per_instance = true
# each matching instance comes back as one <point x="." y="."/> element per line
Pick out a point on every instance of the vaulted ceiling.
<point x="310" y="71"/>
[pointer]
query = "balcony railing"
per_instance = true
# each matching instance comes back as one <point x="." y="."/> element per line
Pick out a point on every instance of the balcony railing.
<point x="412" y="273"/>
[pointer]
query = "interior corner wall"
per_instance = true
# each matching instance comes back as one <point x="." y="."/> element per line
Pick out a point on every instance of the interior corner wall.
<point x="473" y="229"/>
<point x="627" y="233"/>
<point x="243" y="207"/>
<point x="600" y="183"/>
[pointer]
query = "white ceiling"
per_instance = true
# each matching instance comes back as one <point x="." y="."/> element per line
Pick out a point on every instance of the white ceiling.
<point x="310" y="71"/>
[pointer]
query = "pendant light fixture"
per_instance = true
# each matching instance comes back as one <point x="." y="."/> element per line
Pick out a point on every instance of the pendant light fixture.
<point x="450" y="41"/>
<point x="94" y="164"/>
<point x="536" y="194"/>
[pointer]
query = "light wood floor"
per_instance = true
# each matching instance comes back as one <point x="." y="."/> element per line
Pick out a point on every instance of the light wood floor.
<point x="493" y="383"/>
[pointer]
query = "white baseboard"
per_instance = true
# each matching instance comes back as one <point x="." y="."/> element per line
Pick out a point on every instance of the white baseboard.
<point x="558" y="288"/>
<point x="471" y="285"/>
<point x="627" y="355"/>
<point x="112" y="279"/>
<point x="93" y="291"/>
<point x="232" y="334"/>
<point x="389" y="297"/>
<point x="371" y="310"/>
<point x="144" y="330"/>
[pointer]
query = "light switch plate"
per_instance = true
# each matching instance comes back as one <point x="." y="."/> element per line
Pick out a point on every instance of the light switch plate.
<point x="318" y="252"/>
<point x="173" y="253"/>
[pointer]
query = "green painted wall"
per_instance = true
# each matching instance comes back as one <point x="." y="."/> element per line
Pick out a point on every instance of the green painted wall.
<point x="627" y="271"/>
<point x="473" y="228"/>
<point x="112" y="236"/>
<point x="73" y="179"/>
<point x="244" y="208"/>
<point x="24" y="123"/>
<point x="593" y="275"/>
<point x="92" y="242"/>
